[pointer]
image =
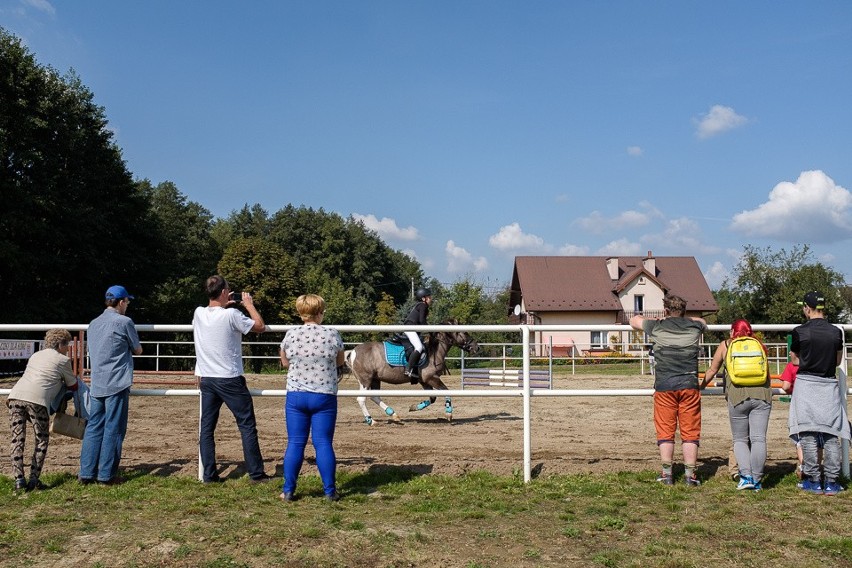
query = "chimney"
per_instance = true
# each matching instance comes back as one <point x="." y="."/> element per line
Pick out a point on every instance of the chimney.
<point x="612" y="267"/>
<point x="650" y="264"/>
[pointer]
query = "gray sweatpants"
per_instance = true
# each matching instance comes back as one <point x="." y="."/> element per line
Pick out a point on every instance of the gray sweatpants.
<point x="831" y="455"/>
<point x="749" y="422"/>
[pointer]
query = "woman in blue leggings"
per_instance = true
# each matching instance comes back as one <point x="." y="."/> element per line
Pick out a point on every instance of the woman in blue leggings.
<point x="311" y="354"/>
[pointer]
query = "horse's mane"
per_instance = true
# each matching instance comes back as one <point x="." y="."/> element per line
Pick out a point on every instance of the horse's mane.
<point x="432" y="339"/>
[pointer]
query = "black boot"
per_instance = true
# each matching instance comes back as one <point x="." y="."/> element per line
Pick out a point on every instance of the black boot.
<point x="412" y="371"/>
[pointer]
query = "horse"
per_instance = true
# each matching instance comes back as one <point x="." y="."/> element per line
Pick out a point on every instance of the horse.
<point x="368" y="363"/>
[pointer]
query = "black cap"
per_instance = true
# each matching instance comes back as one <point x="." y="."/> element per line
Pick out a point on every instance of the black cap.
<point x="814" y="300"/>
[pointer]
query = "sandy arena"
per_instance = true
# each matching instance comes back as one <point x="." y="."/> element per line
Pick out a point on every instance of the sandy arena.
<point x="569" y="434"/>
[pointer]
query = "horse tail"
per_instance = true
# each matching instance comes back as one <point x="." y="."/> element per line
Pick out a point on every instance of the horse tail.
<point x="349" y="357"/>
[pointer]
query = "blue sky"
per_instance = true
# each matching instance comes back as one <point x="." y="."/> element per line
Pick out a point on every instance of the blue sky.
<point x="469" y="132"/>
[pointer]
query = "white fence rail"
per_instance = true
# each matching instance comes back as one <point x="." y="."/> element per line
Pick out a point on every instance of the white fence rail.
<point x="526" y="392"/>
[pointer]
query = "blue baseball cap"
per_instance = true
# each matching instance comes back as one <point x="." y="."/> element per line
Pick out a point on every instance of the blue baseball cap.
<point x="117" y="293"/>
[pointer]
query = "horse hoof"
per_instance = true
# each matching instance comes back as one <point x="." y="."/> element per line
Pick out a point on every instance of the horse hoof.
<point x="368" y="420"/>
<point x="449" y="417"/>
<point x="395" y="417"/>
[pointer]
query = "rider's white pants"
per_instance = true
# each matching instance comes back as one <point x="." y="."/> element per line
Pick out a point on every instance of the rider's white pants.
<point x="415" y="340"/>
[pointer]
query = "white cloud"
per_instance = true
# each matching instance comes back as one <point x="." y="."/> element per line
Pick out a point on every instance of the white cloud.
<point x="573" y="250"/>
<point x="811" y="209"/>
<point x="716" y="275"/>
<point x="41" y="5"/>
<point x="621" y="247"/>
<point x="634" y="151"/>
<point x="459" y="260"/>
<point x="720" y="119"/>
<point x="512" y="238"/>
<point x="598" y="224"/>
<point x="387" y="227"/>
<point x="681" y="235"/>
<point x="562" y="198"/>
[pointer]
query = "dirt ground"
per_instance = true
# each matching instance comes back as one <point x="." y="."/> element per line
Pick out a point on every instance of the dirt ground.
<point x="569" y="434"/>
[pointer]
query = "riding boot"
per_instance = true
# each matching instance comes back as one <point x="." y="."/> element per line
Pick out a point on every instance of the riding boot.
<point x="412" y="371"/>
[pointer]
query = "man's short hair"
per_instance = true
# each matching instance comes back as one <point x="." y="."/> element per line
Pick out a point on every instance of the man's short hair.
<point x="674" y="304"/>
<point x="214" y="286"/>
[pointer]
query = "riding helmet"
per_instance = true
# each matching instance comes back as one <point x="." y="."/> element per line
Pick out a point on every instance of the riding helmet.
<point x="423" y="292"/>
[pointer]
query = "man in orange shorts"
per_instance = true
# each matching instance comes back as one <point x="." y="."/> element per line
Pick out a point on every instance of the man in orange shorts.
<point x="677" y="401"/>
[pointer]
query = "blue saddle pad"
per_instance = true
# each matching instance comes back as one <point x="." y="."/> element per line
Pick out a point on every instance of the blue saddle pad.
<point x="395" y="355"/>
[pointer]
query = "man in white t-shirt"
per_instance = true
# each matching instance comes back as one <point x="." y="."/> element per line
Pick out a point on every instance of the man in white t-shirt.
<point x="218" y="330"/>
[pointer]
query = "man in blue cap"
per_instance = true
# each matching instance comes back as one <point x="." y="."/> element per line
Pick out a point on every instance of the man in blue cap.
<point x="112" y="342"/>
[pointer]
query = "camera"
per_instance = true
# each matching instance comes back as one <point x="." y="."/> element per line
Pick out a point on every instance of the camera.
<point x="235" y="297"/>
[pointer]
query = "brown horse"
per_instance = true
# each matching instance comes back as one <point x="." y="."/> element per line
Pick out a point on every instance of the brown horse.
<point x="369" y="365"/>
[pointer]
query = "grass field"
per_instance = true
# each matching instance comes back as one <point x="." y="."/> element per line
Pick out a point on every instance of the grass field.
<point x="396" y="518"/>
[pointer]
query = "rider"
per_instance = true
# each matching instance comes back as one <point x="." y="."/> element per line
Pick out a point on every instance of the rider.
<point x="417" y="316"/>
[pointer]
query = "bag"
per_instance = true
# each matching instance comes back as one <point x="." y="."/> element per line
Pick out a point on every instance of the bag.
<point x="69" y="425"/>
<point x="746" y="362"/>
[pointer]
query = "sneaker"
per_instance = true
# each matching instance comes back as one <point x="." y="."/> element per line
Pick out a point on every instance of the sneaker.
<point x="691" y="481"/>
<point x="287" y="496"/>
<point x="333" y="496"/>
<point x="810" y="486"/>
<point x="746" y="482"/>
<point x="832" y="488"/>
<point x="262" y="479"/>
<point x="665" y="479"/>
<point x="757" y="486"/>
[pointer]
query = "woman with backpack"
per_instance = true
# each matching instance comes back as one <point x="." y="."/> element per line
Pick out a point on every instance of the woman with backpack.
<point x="749" y="395"/>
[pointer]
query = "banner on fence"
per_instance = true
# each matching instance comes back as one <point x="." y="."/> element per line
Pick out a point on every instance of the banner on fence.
<point x="15" y="349"/>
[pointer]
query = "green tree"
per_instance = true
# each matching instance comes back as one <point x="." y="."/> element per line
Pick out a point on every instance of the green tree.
<point x="189" y="253"/>
<point x="765" y="286"/>
<point x="264" y="269"/>
<point x="386" y="311"/>
<point x="73" y="221"/>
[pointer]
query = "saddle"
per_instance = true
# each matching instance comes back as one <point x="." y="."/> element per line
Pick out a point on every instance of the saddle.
<point x="396" y="354"/>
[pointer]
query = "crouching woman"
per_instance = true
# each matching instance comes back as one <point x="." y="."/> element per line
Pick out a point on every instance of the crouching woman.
<point x="29" y="400"/>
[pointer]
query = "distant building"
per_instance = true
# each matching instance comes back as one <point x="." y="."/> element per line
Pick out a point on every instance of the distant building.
<point x="601" y="290"/>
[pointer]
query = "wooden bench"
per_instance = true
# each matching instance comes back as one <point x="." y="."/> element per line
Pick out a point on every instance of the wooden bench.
<point x="597" y="352"/>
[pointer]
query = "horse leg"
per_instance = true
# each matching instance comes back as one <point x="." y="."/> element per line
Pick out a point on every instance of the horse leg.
<point x="388" y="410"/>
<point x="362" y="402"/>
<point x="423" y="404"/>
<point x="448" y="408"/>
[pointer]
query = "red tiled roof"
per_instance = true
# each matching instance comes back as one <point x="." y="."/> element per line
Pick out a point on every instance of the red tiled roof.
<point x="582" y="283"/>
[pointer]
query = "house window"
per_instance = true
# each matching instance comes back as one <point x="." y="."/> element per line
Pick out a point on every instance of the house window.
<point x="641" y="280"/>
<point x="638" y="303"/>
<point x="598" y="340"/>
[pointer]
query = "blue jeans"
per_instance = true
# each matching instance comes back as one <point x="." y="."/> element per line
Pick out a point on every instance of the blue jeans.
<point x="315" y="414"/>
<point x="100" y="453"/>
<point x="749" y="422"/>
<point x="234" y="393"/>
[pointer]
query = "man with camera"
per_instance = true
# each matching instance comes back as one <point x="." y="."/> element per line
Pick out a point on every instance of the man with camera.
<point x="217" y="332"/>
